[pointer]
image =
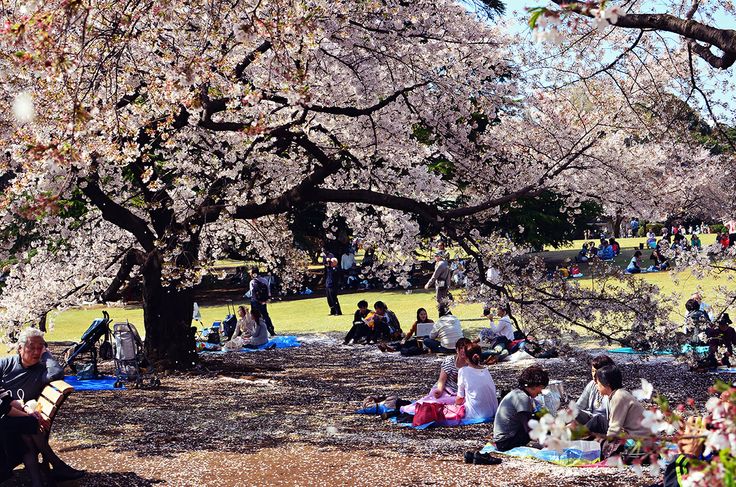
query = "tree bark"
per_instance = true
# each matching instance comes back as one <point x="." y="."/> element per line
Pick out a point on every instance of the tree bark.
<point x="167" y="316"/>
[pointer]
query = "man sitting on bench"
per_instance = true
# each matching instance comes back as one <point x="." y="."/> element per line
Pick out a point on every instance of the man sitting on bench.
<point x="25" y="375"/>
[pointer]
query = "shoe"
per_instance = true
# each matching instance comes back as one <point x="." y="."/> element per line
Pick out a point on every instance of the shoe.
<point x="485" y="459"/>
<point x="469" y="456"/>
<point x="67" y="474"/>
<point x="383" y="347"/>
<point x="391" y="414"/>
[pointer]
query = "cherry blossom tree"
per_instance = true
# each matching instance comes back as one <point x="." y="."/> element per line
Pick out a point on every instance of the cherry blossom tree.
<point x="143" y="138"/>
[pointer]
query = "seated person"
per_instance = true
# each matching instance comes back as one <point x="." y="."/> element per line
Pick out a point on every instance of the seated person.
<point x="695" y="241"/>
<point x="658" y="261"/>
<point x="696" y="321"/>
<point x="563" y="272"/>
<point x="244" y="325"/>
<point x="592" y="406"/>
<point x="445" y="333"/>
<point x="360" y="328"/>
<point x="29" y="371"/>
<point x="422" y="317"/>
<point x="634" y="264"/>
<point x="445" y="389"/>
<point x="583" y="254"/>
<point x="409" y="346"/>
<point x="475" y="388"/>
<point x="625" y="412"/>
<point x="511" y="426"/>
<point x="615" y="246"/>
<point x="497" y="336"/>
<point x="606" y="251"/>
<point x="722" y="335"/>
<point x="575" y="270"/>
<point x="383" y="323"/>
<point x="259" y="335"/>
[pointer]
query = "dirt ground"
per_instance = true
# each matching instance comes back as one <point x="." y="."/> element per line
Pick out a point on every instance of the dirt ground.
<point x="285" y="417"/>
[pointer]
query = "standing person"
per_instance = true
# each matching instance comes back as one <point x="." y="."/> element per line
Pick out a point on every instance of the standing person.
<point x="634" y="226"/>
<point x="260" y="293"/>
<point x="440" y="279"/>
<point x="731" y="227"/>
<point x="332" y="285"/>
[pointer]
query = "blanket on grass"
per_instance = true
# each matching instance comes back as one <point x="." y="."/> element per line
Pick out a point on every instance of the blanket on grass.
<point x="279" y="341"/>
<point x="684" y="349"/>
<point x="443" y="424"/>
<point x="104" y="383"/>
<point x="569" y="457"/>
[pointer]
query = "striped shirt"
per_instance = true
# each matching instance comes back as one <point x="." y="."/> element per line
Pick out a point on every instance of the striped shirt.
<point x="448" y="367"/>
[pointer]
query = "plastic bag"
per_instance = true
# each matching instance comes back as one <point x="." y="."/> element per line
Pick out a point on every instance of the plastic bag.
<point x="232" y="345"/>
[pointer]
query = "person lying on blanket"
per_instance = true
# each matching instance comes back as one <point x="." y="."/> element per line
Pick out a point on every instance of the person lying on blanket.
<point x="25" y="375"/>
<point x="511" y="425"/>
<point x="625" y="413"/>
<point x="592" y="406"/>
<point x="476" y="391"/>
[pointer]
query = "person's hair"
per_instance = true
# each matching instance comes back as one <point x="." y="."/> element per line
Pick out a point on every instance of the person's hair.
<point x="601" y="361"/>
<point x="443" y="310"/>
<point x="242" y="308"/>
<point x="254" y="270"/>
<point x="29" y="333"/>
<point x="604" y="241"/>
<point x="610" y="376"/>
<point x="418" y="312"/>
<point x="380" y="305"/>
<point x="533" y="376"/>
<point x="692" y="305"/>
<point x="362" y="303"/>
<point x="472" y="352"/>
<point x="460" y="343"/>
<point x="724" y="320"/>
<point x="255" y="314"/>
<point x="637" y="253"/>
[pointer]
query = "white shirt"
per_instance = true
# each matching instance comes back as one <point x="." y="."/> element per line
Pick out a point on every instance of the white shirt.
<point x="447" y="330"/>
<point x="479" y="391"/>
<point x="347" y="261"/>
<point x="504" y="327"/>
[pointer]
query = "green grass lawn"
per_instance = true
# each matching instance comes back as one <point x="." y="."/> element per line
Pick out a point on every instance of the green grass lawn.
<point x="299" y="316"/>
<point x="706" y="239"/>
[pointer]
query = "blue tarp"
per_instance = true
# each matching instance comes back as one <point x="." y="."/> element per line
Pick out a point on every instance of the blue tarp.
<point x="104" y="383"/>
<point x="567" y="457"/>
<point x="280" y="341"/>
<point x="685" y="349"/>
<point x="463" y="422"/>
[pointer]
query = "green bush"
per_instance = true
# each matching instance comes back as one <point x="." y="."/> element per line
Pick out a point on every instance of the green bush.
<point x="718" y="228"/>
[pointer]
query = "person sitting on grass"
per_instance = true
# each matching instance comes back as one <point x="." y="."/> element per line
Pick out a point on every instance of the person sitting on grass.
<point x="444" y="391"/>
<point x="359" y="330"/>
<point x="383" y="323"/>
<point x="445" y="333"/>
<point x="259" y="335"/>
<point x="475" y="388"/>
<point x="409" y="346"/>
<point x="25" y="374"/>
<point x="722" y="336"/>
<point x="606" y="251"/>
<point x="634" y="266"/>
<point x="625" y="412"/>
<point x="696" y="321"/>
<point x="497" y="337"/>
<point x="244" y="325"/>
<point x="583" y="254"/>
<point x="615" y="246"/>
<point x="592" y="406"/>
<point x="511" y="425"/>
<point x="659" y="262"/>
<point x="695" y="242"/>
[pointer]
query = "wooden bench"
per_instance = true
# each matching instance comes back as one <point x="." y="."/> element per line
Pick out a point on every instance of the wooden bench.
<point x="52" y="397"/>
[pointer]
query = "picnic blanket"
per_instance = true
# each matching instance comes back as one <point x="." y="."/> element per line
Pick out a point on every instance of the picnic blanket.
<point x="723" y="370"/>
<point x="443" y="424"/>
<point x="379" y="408"/>
<point x="569" y="457"/>
<point x="684" y="349"/>
<point x="279" y="341"/>
<point x="104" y="383"/>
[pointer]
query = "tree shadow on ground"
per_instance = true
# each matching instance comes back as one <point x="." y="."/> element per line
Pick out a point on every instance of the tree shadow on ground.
<point x="92" y="479"/>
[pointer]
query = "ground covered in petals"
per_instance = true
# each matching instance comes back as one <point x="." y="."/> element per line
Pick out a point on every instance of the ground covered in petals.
<point x="285" y="417"/>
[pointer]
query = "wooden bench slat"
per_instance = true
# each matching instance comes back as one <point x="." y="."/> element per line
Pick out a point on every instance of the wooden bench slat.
<point x="62" y="387"/>
<point x="53" y="395"/>
<point x="48" y="409"/>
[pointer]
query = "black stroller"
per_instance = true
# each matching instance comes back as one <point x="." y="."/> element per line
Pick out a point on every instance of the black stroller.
<point x="87" y="347"/>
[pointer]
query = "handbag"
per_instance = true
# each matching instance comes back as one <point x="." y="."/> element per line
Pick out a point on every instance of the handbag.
<point x="428" y="412"/>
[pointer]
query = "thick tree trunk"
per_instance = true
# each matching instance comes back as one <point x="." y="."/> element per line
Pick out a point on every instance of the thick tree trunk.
<point x="167" y="316"/>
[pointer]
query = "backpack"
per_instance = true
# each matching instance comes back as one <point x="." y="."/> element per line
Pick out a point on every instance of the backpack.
<point x="260" y="290"/>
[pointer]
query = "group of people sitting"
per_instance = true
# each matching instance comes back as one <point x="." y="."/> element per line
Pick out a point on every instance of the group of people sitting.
<point x="381" y="326"/>
<point x="23" y="430"/>
<point x="607" y="249"/>
<point x="702" y="327"/>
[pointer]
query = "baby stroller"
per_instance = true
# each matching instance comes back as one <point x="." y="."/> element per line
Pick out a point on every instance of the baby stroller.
<point x="129" y="358"/>
<point x="98" y="330"/>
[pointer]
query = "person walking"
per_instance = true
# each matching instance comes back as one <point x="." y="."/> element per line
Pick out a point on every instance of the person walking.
<point x="332" y="284"/>
<point x="260" y="293"/>
<point x="440" y="278"/>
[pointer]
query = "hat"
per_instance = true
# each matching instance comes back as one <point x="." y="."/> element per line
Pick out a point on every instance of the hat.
<point x="724" y="319"/>
<point x="439" y="253"/>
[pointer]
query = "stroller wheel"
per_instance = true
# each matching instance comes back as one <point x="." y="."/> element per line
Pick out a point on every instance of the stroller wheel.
<point x="117" y="384"/>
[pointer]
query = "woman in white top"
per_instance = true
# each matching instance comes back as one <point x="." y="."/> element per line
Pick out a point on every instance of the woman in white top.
<point x="475" y="388"/>
<point x="244" y="326"/>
